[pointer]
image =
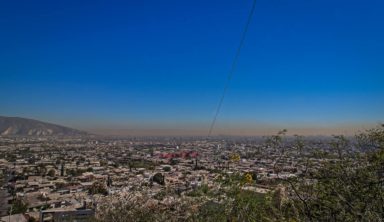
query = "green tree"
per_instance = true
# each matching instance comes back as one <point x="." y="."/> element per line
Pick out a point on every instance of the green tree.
<point x="18" y="206"/>
<point x="98" y="188"/>
<point x="167" y="168"/>
<point x="51" y="172"/>
<point x="349" y="189"/>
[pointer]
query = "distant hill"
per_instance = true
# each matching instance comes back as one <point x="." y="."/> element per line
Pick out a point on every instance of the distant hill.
<point x="16" y="126"/>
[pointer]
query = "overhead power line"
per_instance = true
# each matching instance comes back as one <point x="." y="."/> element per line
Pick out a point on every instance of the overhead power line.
<point x="233" y="67"/>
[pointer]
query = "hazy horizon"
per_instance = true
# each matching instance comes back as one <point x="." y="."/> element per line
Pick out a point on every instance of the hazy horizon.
<point x="230" y="129"/>
<point x="231" y="132"/>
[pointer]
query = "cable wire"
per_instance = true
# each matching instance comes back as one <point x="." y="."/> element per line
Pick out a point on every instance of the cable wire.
<point x="233" y="67"/>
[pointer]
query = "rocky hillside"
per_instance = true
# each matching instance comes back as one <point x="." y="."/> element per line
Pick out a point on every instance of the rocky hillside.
<point x="16" y="126"/>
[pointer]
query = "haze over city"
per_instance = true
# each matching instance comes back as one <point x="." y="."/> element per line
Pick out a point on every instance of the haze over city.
<point x="145" y="68"/>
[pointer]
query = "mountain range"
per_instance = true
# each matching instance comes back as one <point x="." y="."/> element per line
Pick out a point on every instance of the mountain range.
<point x="16" y="126"/>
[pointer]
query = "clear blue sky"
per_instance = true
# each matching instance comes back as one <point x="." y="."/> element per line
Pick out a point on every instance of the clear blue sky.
<point x="163" y="64"/>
